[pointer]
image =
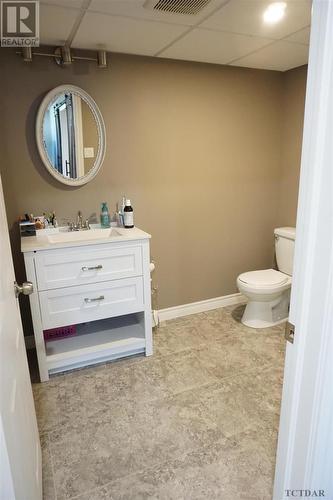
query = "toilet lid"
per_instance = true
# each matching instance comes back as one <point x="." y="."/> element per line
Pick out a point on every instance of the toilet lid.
<point x="266" y="277"/>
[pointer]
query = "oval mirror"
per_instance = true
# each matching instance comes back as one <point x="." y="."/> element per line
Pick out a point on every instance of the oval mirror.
<point x="70" y="134"/>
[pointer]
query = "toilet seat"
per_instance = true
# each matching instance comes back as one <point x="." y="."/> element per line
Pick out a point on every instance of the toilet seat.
<point x="265" y="278"/>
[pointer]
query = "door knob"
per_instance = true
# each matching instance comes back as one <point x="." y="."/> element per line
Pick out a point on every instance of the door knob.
<point x="26" y="288"/>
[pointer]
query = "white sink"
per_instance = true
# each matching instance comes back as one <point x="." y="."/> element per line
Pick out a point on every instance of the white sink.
<point x="88" y="235"/>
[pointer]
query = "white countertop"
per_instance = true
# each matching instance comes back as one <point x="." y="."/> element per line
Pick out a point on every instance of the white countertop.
<point x="42" y="239"/>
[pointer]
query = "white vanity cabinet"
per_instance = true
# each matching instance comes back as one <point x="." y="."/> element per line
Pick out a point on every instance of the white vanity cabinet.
<point x="102" y="286"/>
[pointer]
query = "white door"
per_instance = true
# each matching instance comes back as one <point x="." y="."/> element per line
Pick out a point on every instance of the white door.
<point x="305" y="446"/>
<point x="20" y="453"/>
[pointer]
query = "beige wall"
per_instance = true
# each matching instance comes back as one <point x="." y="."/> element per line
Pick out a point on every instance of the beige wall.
<point x="196" y="147"/>
<point x="294" y="85"/>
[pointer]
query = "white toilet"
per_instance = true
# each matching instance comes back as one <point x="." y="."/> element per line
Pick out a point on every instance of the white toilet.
<point x="268" y="290"/>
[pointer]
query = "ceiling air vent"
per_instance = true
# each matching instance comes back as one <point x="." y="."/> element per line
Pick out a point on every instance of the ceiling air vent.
<point x="187" y="7"/>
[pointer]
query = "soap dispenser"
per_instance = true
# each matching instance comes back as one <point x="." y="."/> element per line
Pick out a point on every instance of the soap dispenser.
<point x="105" y="215"/>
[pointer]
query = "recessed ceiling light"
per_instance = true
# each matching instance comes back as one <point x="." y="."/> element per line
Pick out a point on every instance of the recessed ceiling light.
<point x="274" y="12"/>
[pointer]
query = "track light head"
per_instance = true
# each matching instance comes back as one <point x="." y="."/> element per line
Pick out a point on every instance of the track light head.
<point x="101" y="59"/>
<point x="63" y="56"/>
<point x="66" y="57"/>
<point x="27" y="54"/>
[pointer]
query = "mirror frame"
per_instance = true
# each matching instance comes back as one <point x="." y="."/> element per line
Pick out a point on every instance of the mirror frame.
<point x="48" y="99"/>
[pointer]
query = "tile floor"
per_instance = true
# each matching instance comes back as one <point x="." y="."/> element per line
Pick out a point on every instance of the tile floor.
<point x="198" y="420"/>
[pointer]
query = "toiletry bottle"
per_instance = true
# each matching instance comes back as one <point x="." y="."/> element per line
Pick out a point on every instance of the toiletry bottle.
<point x="54" y="220"/>
<point x="46" y="221"/>
<point x="105" y="215"/>
<point x="128" y="215"/>
<point x="121" y="208"/>
<point x="123" y="203"/>
<point x="120" y="219"/>
<point x="119" y="215"/>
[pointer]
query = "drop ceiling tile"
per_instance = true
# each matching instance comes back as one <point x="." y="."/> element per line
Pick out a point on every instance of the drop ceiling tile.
<point x="136" y="9"/>
<point x="302" y="36"/>
<point x="245" y="16"/>
<point x="121" y="34"/>
<point x="279" y="56"/>
<point x="213" y="46"/>
<point x="56" y="23"/>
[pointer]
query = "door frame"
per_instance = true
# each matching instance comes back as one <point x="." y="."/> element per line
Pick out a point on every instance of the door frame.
<point x="305" y="444"/>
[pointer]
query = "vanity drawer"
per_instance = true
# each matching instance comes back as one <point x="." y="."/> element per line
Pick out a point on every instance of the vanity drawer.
<point x="91" y="302"/>
<point x="93" y="264"/>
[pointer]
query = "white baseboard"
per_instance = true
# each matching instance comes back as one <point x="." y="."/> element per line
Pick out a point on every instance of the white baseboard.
<point x="202" y="306"/>
<point x="179" y="311"/>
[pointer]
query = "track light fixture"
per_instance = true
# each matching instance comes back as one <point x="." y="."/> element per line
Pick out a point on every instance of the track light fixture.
<point x="101" y="59"/>
<point x="27" y="54"/>
<point x="63" y="56"/>
<point x="66" y="55"/>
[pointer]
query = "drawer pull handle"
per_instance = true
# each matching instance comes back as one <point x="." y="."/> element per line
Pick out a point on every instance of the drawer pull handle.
<point x="96" y="299"/>
<point x="92" y="268"/>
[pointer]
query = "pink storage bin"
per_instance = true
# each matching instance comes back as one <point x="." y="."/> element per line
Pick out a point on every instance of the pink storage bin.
<point x="60" y="332"/>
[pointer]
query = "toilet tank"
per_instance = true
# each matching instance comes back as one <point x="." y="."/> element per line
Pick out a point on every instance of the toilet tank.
<point x="284" y="248"/>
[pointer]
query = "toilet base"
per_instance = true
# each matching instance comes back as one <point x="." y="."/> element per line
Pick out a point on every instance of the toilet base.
<point x="265" y="314"/>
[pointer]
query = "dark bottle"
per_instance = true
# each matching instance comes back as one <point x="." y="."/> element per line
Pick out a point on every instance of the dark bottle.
<point x="128" y="215"/>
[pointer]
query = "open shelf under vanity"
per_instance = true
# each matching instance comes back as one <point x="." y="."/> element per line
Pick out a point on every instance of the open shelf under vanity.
<point x="97" y="341"/>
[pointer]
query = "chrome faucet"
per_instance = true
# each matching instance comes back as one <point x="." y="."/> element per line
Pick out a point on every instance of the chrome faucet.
<point x="80" y="225"/>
